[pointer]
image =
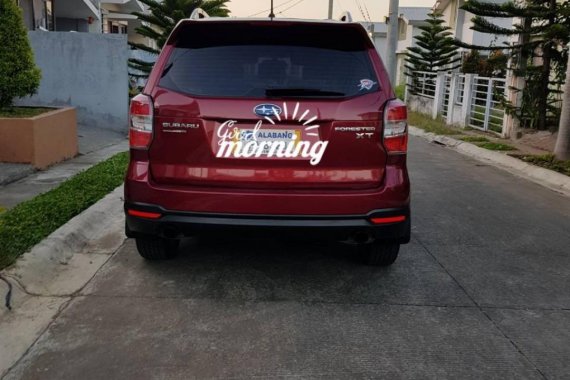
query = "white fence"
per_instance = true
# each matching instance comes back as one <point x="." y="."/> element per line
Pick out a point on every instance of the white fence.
<point x="461" y="99"/>
<point x="487" y="112"/>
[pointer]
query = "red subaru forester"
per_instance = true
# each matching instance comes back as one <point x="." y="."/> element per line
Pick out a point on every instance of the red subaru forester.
<point x="266" y="126"/>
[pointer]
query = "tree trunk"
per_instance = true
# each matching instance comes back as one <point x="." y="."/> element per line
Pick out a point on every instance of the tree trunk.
<point x="544" y="87"/>
<point x="562" y="149"/>
<point x="547" y="48"/>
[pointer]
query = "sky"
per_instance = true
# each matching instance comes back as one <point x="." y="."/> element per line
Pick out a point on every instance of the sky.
<point x="318" y="9"/>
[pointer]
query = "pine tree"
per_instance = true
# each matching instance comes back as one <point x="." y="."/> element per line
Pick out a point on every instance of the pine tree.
<point x="163" y="16"/>
<point x="539" y="56"/>
<point x="19" y="75"/>
<point x="435" y="50"/>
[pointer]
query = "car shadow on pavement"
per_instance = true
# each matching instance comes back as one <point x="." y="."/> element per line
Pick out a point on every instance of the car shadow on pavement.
<point x="246" y="270"/>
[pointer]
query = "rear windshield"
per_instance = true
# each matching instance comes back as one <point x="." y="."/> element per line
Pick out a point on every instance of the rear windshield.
<point x="262" y="60"/>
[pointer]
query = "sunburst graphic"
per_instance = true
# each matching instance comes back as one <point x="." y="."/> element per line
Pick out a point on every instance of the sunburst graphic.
<point x="305" y="118"/>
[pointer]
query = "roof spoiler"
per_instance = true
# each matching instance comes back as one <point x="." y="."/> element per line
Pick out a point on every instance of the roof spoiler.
<point x="345" y="17"/>
<point x="198" y="13"/>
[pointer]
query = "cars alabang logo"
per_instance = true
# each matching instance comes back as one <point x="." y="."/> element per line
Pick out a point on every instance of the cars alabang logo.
<point x="290" y="135"/>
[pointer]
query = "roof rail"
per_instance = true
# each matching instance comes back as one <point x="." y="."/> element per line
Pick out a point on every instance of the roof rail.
<point x="198" y="13"/>
<point x="345" y="17"/>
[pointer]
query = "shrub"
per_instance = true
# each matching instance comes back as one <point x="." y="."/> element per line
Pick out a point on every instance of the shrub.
<point x="400" y="91"/>
<point x="19" y="75"/>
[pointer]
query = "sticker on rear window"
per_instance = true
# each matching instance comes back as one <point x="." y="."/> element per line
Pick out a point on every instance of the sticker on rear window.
<point x="366" y="84"/>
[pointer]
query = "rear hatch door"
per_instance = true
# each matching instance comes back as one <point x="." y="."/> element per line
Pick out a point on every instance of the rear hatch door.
<point x="269" y="105"/>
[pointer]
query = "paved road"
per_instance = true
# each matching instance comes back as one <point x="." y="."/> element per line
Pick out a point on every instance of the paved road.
<point x="483" y="291"/>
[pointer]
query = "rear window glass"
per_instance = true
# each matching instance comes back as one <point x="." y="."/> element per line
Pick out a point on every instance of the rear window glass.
<point x="245" y="60"/>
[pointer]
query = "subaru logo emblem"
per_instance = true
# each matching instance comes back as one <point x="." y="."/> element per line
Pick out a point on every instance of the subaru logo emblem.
<point x="267" y="110"/>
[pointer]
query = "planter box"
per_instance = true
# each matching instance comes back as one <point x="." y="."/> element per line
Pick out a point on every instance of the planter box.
<point x="41" y="140"/>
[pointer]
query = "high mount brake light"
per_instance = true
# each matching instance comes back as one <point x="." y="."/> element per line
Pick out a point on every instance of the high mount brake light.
<point x="396" y="127"/>
<point x="141" y="118"/>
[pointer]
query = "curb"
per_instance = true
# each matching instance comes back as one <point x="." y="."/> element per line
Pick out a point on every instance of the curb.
<point x="544" y="177"/>
<point x="48" y="276"/>
<point x="13" y="176"/>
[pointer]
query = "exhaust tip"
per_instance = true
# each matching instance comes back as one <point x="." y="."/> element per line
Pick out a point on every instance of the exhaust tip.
<point x="361" y="237"/>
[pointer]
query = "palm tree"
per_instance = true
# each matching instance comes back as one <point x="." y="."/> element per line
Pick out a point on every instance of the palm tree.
<point x="562" y="149"/>
<point x="161" y="19"/>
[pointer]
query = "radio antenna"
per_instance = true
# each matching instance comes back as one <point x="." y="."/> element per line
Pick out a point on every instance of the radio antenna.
<point x="271" y="14"/>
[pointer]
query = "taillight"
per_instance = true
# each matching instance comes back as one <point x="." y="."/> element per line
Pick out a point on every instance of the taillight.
<point x="396" y="127"/>
<point x="389" y="219"/>
<point x="141" y="116"/>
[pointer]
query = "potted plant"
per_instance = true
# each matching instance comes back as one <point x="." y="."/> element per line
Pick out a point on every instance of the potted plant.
<point x="37" y="135"/>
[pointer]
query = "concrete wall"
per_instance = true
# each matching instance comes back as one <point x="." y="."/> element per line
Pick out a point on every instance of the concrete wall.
<point x="420" y="104"/>
<point x="86" y="71"/>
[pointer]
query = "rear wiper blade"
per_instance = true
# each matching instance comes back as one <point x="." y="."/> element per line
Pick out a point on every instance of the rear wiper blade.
<point x="300" y="92"/>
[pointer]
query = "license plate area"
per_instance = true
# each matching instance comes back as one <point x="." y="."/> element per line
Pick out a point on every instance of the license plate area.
<point x="268" y="142"/>
<point x="266" y="138"/>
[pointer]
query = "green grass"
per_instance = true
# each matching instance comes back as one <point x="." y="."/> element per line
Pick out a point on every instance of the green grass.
<point x="495" y="146"/>
<point x="428" y="124"/>
<point x="548" y="161"/>
<point x="484" y="142"/>
<point x="474" y="139"/>
<point x="14" y="112"/>
<point x="400" y="91"/>
<point x="28" y="223"/>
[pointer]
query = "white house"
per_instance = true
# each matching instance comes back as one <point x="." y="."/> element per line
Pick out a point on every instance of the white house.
<point x="117" y="17"/>
<point x="61" y="15"/>
<point x="460" y="23"/>
<point x="409" y="21"/>
<point x="411" y="18"/>
<point x="90" y="16"/>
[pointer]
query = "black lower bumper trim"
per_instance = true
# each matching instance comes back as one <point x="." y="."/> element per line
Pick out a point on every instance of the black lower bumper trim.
<point x="174" y="224"/>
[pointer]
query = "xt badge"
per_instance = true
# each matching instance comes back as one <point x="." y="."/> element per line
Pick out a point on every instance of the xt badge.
<point x="361" y="132"/>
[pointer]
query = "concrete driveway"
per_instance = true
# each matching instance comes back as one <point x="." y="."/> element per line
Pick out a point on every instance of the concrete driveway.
<point x="482" y="291"/>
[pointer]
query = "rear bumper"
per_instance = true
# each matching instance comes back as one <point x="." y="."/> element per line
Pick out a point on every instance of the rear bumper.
<point x="393" y="193"/>
<point x="176" y="224"/>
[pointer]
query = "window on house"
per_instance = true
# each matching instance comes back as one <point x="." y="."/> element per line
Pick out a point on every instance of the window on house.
<point x="49" y="15"/>
<point x="116" y="27"/>
<point x="44" y="18"/>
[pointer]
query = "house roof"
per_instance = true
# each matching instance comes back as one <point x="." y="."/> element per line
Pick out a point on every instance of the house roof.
<point x="125" y="6"/>
<point x="414" y="15"/>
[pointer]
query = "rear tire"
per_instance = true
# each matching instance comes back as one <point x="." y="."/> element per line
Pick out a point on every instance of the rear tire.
<point x="379" y="253"/>
<point x="157" y="248"/>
